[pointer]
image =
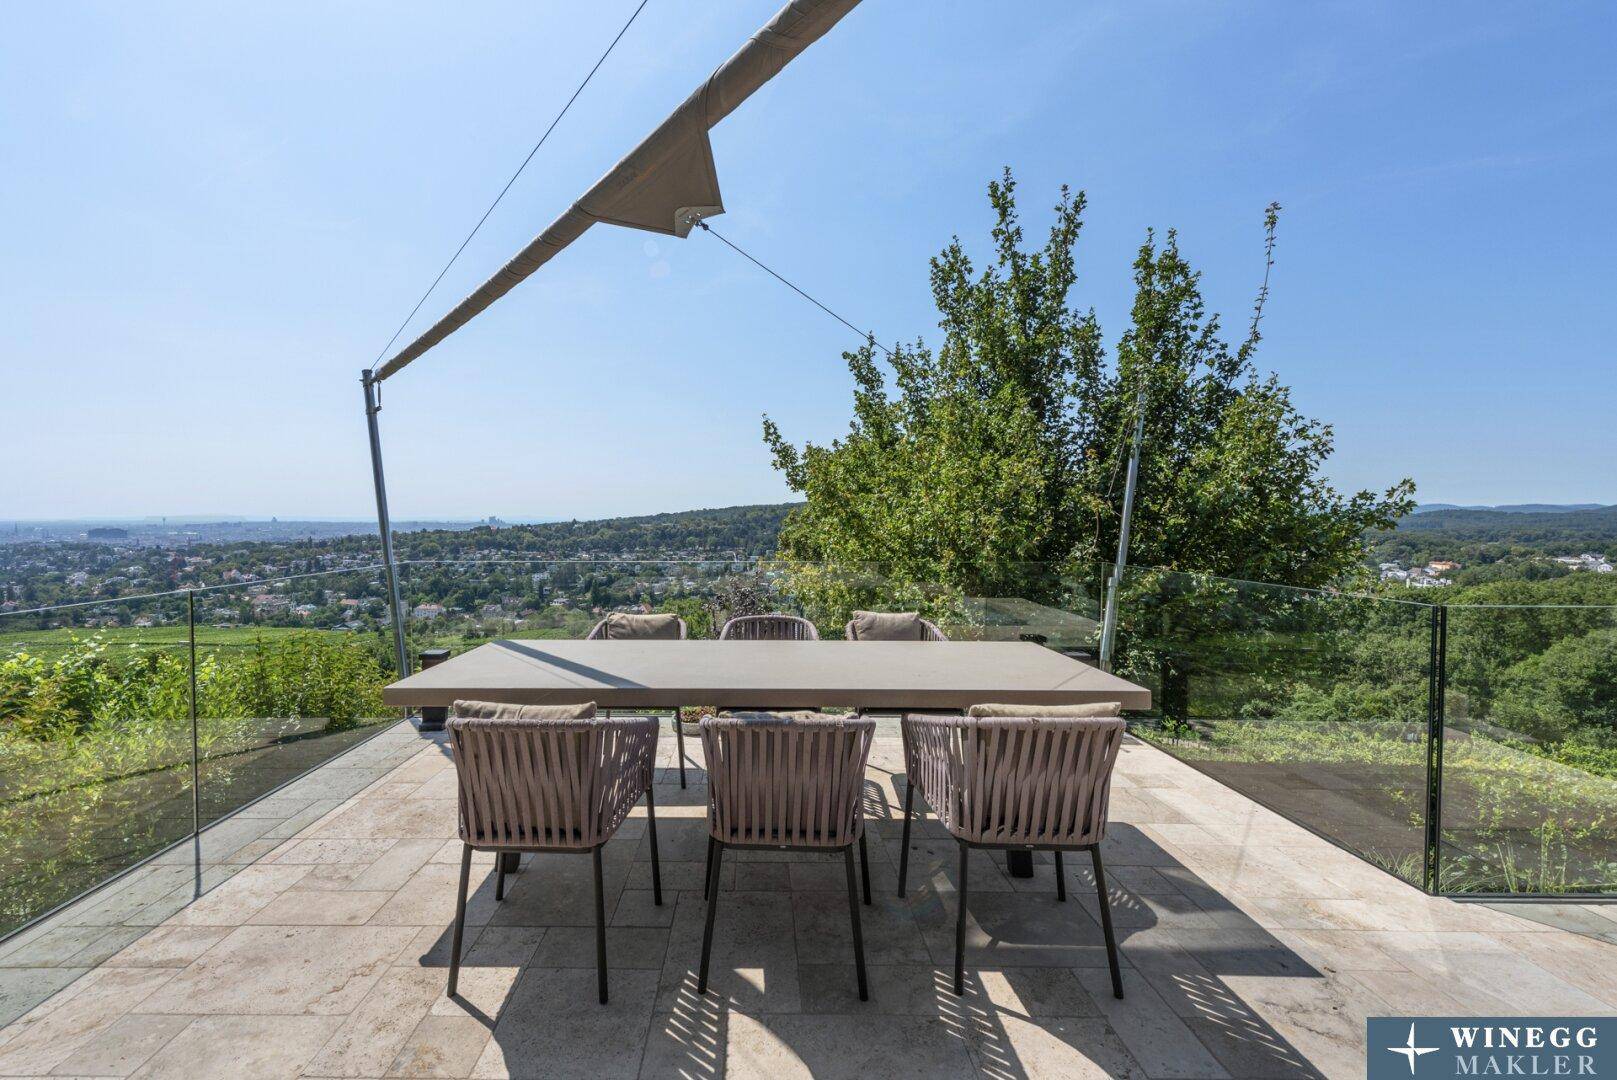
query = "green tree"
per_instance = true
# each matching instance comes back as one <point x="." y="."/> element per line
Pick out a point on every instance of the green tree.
<point x="1004" y="448"/>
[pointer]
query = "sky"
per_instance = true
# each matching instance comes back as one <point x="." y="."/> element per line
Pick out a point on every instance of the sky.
<point x="212" y="217"/>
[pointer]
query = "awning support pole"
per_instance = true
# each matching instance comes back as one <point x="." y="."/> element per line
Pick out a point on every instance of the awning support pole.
<point x="383" y="524"/>
<point x="1108" y="633"/>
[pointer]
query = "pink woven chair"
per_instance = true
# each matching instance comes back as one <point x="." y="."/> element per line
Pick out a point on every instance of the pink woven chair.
<point x="534" y="778"/>
<point x="786" y="783"/>
<point x="768" y="628"/>
<point x="1013" y="782"/>
<point x="627" y="626"/>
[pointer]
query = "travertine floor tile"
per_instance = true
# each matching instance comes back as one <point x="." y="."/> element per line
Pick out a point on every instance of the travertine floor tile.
<point x="371" y="1037"/>
<point x="276" y="970"/>
<point x="241" y="1047"/>
<point x="124" y="1046"/>
<point x="554" y="1027"/>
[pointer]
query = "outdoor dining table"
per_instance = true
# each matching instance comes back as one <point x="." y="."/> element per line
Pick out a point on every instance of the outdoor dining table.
<point x="880" y="676"/>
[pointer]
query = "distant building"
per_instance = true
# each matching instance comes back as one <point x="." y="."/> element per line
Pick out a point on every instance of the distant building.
<point x="107" y="532"/>
<point x="1442" y="566"/>
<point x="1589" y="560"/>
<point x="1418" y="580"/>
<point x="427" y="611"/>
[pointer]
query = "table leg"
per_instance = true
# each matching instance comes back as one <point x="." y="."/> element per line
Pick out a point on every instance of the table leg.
<point x="1019" y="863"/>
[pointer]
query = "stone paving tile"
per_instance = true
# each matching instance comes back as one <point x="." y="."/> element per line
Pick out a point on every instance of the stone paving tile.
<point x="1050" y="1048"/>
<point x="23" y="988"/>
<point x="169" y="946"/>
<point x="58" y="1027"/>
<point x="124" y="1046"/>
<point x="241" y="1047"/>
<point x="320" y="943"/>
<point x="442" y="1046"/>
<point x="553" y="1027"/>
<point x="845" y="1047"/>
<point x="371" y="1036"/>
<point x="311" y="907"/>
<point x="274" y="970"/>
<point x="1156" y="1037"/>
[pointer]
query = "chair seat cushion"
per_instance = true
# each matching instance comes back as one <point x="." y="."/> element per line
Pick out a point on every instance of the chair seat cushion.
<point x="1040" y="712"/>
<point x="622" y="626"/>
<point x="887" y="626"/>
<point x="500" y="710"/>
<point x="764" y="716"/>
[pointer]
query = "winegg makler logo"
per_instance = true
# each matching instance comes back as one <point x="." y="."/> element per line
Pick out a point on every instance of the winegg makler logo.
<point x="1527" y="1046"/>
<point x="1412" y="1050"/>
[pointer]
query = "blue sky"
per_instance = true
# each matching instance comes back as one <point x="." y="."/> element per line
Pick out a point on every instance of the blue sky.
<point x="215" y="215"/>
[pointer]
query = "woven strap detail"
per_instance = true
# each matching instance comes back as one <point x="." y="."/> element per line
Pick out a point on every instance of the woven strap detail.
<point x="796" y="783"/>
<point x="549" y="783"/>
<point x="1016" y="780"/>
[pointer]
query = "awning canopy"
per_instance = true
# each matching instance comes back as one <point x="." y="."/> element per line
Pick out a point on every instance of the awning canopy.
<point x="666" y="183"/>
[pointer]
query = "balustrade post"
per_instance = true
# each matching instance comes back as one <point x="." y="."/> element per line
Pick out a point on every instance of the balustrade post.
<point x="196" y="768"/>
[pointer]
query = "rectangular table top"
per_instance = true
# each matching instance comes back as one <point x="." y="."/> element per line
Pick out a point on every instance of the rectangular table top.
<point x="764" y="674"/>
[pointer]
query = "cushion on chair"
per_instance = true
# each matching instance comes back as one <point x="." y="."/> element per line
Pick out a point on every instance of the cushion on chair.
<point x="499" y="710"/>
<point x="767" y="716"/>
<point x="621" y="626"/>
<point x="887" y="626"/>
<point x="1094" y="709"/>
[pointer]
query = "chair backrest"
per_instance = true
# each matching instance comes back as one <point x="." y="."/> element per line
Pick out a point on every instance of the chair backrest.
<point x="1017" y="780"/>
<point x="624" y="626"/>
<point x="792" y="782"/>
<point x="532" y="783"/>
<point x="768" y="628"/>
<point x="891" y="626"/>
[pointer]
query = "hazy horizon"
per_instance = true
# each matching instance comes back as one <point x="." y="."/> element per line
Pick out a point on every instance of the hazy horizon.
<point x="525" y="519"/>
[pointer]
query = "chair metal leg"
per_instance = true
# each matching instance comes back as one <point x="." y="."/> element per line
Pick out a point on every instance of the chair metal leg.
<point x="651" y="827"/>
<point x="904" y="850"/>
<point x="600" y="926"/>
<point x="679" y="737"/>
<point x="864" y="866"/>
<point x="707" y="872"/>
<point x="853" y="910"/>
<point x="499" y="878"/>
<point x="715" y="860"/>
<point x="460" y="917"/>
<point x="1061" y="879"/>
<point x="1106" y="922"/>
<point x="960" y="928"/>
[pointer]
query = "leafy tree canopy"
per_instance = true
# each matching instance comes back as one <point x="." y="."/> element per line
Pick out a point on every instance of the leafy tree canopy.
<point x="1006" y="446"/>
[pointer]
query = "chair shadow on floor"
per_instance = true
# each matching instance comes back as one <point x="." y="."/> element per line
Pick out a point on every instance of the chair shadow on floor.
<point x="1037" y="995"/>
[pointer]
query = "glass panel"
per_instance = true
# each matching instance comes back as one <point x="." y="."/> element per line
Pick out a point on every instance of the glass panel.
<point x="1530" y="754"/>
<point x="289" y="675"/>
<point x="1311" y="703"/>
<point x="95" y="746"/>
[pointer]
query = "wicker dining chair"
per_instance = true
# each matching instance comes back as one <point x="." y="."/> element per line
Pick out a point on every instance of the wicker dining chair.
<point x="1016" y="777"/>
<point x="768" y="628"/>
<point x="548" y="778"/>
<point x="627" y="626"/>
<point x="793" y="783"/>
<point x="892" y="626"/>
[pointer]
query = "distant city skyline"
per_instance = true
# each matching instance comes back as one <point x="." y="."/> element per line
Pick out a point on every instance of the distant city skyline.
<point x="222" y="218"/>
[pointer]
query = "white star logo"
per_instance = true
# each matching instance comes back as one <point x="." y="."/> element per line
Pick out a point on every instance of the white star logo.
<point x="1411" y="1051"/>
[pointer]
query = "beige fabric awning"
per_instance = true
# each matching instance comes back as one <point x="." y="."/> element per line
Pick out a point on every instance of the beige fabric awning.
<point x="668" y="181"/>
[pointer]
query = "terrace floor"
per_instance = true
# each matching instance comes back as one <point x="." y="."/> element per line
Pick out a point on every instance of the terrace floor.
<point x="318" y="948"/>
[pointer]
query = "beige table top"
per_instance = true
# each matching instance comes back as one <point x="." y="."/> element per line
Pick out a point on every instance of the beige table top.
<point x="764" y="674"/>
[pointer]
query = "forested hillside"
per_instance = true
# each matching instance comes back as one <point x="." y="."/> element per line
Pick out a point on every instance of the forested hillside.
<point x="1497" y="544"/>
